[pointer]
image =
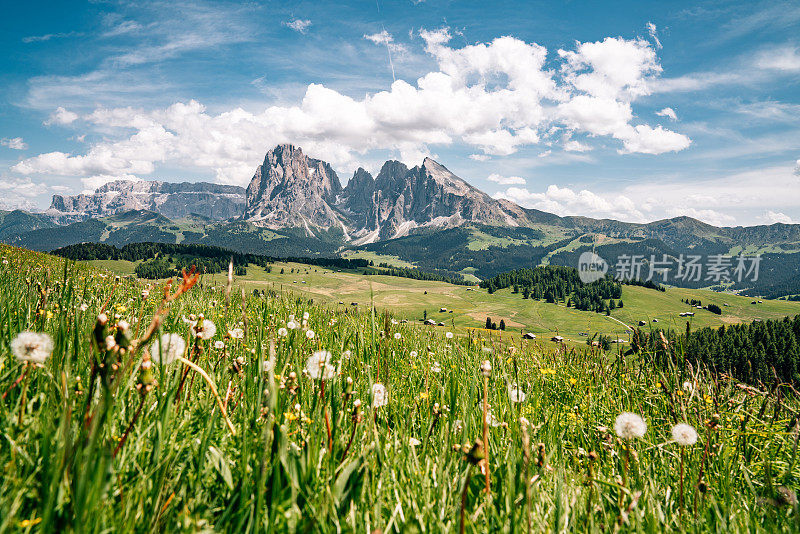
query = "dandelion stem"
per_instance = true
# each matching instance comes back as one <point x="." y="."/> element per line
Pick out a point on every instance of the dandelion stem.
<point x="213" y="391"/>
<point x="17" y="381"/>
<point x="486" y="428"/>
<point x="130" y="426"/>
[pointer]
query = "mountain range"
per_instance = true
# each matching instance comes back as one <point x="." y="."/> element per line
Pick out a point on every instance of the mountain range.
<point x="424" y="215"/>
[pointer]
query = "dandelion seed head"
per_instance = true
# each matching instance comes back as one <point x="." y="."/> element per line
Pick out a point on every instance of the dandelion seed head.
<point x="291" y="325"/>
<point x="436" y="368"/>
<point x="684" y="434"/>
<point x="448" y="335"/>
<point x="310" y="334"/>
<point x="167" y="348"/>
<point x="629" y="425"/>
<point x="319" y="366"/>
<point x="486" y="368"/>
<point x="282" y="332"/>
<point x="397" y="335"/>
<point x="236" y="333"/>
<point x="380" y="397"/>
<point x="33" y="347"/>
<point x="219" y="345"/>
<point x="413" y="354"/>
<point x="206" y="330"/>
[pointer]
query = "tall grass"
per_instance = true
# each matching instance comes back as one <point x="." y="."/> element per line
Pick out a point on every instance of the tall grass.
<point x="94" y="441"/>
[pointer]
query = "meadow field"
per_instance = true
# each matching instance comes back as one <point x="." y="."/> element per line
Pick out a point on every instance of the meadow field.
<point x="196" y="405"/>
<point x="410" y="299"/>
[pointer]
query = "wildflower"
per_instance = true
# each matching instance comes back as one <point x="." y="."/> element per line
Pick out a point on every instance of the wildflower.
<point x="684" y="434"/>
<point x="306" y="316"/>
<point x="397" y="335"/>
<point x="291" y="325"/>
<point x="167" y="349"/>
<point x="629" y="425"/>
<point x="486" y="368"/>
<point x="236" y="333"/>
<point x="282" y="332"/>
<point x="84" y="307"/>
<point x="145" y="293"/>
<point x="110" y="343"/>
<point x="688" y="386"/>
<point x="219" y="345"/>
<point x="33" y="347"/>
<point x="436" y="368"/>
<point x="346" y="354"/>
<point x="310" y="334"/>
<point x="413" y="354"/>
<point x="380" y="397"/>
<point x="458" y="426"/>
<point x="319" y="366"/>
<point x="413" y="442"/>
<point x="448" y="335"/>
<point x="206" y="330"/>
<point x="516" y="395"/>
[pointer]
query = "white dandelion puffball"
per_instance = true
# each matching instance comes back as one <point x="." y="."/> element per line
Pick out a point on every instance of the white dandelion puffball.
<point x="436" y="368"/>
<point x="397" y="335"/>
<point x="306" y="316"/>
<point x="516" y="395"/>
<point x="84" y="307"/>
<point x="380" y="397"/>
<point x="310" y="334"/>
<point x="347" y="354"/>
<point x="291" y="325"/>
<point x="267" y="366"/>
<point x="319" y="366"/>
<point x="486" y="368"/>
<point x="629" y="425"/>
<point x="684" y="434"/>
<point x="282" y="332"/>
<point x="413" y="354"/>
<point x="167" y="349"/>
<point x="448" y="335"/>
<point x="33" y="347"/>
<point x="219" y="345"/>
<point x="688" y="386"/>
<point x="413" y="442"/>
<point x="236" y="333"/>
<point x="207" y="329"/>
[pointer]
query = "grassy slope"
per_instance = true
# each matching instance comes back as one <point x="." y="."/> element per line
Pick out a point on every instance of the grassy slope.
<point x="407" y="299"/>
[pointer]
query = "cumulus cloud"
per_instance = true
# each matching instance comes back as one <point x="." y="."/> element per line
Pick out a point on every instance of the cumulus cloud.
<point x="797" y="167"/>
<point x="772" y="217"/>
<point x="496" y="97"/>
<point x="506" y="180"/>
<point x="667" y="112"/>
<point x="565" y="201"/>
<point x="14" y="143"/>
<point x="61" y="116"/>
<point x="18" y="193"/>
<point x="298" y="25"/>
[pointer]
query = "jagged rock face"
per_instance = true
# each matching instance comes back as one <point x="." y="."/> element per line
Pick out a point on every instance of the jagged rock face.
<point x="401" y="199"/>
<point x="172" y="200"/>
<point x="292" y="190"/>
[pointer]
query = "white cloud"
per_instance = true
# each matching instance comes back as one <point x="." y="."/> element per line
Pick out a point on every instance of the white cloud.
<point x="772" y="217"/>
<point x="61" y="116"/>
<point x="667" y="112"/>
<point x="576" y="146"/>
<point x="506" y="180"/>
<point x="786" y="59"/>
<point x="14" y="143"/>
<point x="49" y="36"/>
<point x="385" y="38"/>
<point x="298" y="25"/>
<point x="797" y="167"/>
<point x="497" y="97"/>
<point x="479" y="157"/>
<point x="653" y="31"/>
<point x="566" y="201"/>
<point x="19" y="193"/>
<point x="706" y="215"/>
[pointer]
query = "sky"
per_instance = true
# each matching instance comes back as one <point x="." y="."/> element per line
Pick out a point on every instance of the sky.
<point x="635" y="111"/>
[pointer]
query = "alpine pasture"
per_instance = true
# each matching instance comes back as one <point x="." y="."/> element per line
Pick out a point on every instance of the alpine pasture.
<point x="200" y="405"/>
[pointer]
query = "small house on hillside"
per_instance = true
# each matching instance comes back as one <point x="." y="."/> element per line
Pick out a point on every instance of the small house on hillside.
<point x="557" y="339"/>
<point x="443" y="310"/>
<point x="528" y="335"/>
<point x="642" y="323"/>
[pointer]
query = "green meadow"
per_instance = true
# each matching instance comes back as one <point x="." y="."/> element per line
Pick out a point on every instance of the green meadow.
<point x="196" y="405"/>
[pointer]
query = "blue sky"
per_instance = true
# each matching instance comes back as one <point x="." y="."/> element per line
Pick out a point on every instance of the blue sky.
<point x="635" y="111"/>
